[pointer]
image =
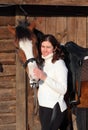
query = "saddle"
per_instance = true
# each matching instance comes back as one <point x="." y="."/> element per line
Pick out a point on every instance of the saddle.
<point x="74" y="60"/>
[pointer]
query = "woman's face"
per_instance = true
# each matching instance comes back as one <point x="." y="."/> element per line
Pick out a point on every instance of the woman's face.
<point x="46" y="48"/>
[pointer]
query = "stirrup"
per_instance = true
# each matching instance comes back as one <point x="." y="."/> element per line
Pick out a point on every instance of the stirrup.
<point x="74" y="102"/>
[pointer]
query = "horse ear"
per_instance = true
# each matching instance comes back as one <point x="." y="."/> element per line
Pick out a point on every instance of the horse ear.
<point x="11" y="29"/>
<point x="31" y="27"/>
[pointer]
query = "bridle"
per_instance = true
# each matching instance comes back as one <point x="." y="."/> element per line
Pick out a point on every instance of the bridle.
<point x="28" y="61"/>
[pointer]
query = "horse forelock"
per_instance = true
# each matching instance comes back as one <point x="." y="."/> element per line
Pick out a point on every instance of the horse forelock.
<point x="22" y="33"/>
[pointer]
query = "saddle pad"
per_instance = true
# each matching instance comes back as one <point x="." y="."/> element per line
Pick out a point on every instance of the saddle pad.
<point x="84" y="71"/>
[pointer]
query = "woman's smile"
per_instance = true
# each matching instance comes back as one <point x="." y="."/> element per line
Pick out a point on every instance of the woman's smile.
<point x="46" y="48"/>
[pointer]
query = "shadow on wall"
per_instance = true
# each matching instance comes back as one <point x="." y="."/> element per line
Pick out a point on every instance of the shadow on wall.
<point x="1" y="68"/>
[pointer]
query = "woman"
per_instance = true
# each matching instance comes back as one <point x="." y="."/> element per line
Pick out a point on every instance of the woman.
<point x="52" y="85"/>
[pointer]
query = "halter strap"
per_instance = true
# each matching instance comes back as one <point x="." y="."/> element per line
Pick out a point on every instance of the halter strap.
<point x="27" y="61"/>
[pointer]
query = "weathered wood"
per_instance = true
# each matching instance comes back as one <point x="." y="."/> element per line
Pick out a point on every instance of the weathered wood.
<point x="5" y="34"/>
<point x="21" y="116"/>
<point x="41" y="26"/>
<point x="6" y="46"/>
<point x="50" y="25"/>
<point x="71" y="29"/>
<point x="7" y="119"/>
<point x="7" y="82"/>
<point x="81" y="31"/>
<point x="7" y="94"/>
<point x="7" y="78"/>
<point x="47" y="2"/>
<point x="87" y="32"/>
<point x="4" y="21"/>
<point x="8" y="127"/>
<point x="58" y="2"/>
<point x="8" y="107"/>
<point x="60" y="28"/>
<point x="9" y="70"/>
<point x="7" y="58"/>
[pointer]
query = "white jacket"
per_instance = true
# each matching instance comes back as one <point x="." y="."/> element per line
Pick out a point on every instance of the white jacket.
<point x="53" y="89"/>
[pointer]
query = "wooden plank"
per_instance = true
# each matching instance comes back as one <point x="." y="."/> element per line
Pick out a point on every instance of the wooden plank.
<point x="71" y="29"/>
<point x="48" y="2"/>
<point x="8" y="70"/>
<point x="8" y="127"/>
<point x="4" y="21"/>
<point x="57" y="2"/>
<point x="7" y="46"/>
<point x="41" y="26"/>
<point x="87" y="32"/>
<point x="7" y="119"/>
<point x="50" y="25"/>
<point x="8" y="107"/>
<point x="21" y="121"/>
<point x="61" y="28"/>
<point x="7" y="58"/>
<point x="5" y="34"/>
<point x="81" y="31"/>
<point x="7" y="94"/>
<point x="10" y="82"/>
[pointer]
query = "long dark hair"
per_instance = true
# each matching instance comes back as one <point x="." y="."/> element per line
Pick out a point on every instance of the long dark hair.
<point x="58" y="53"/>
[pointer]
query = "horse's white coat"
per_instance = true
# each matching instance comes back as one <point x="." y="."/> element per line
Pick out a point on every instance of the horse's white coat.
<point x="26" y="46"/>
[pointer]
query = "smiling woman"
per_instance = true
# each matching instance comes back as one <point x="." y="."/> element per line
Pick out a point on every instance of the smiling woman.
<point x="52" y="85"/>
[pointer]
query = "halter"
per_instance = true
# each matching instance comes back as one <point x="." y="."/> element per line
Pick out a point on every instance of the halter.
<point x="28" y="61"/>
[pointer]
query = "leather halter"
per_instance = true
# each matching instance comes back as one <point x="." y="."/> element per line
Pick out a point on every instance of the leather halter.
<point x="28" y="61"/>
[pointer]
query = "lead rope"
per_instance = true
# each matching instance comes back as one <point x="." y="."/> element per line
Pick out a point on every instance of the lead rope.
<point x="35" y="103"/>
<point x="35" y="99"/>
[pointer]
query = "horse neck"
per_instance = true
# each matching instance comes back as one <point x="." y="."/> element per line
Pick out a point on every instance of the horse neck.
<point x="26" y="46"/>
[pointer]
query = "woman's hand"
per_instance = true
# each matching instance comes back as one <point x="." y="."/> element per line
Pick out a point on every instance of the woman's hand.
<point x="39" y="74"/>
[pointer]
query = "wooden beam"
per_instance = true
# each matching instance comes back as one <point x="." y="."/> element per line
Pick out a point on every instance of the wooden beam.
<point x="21" y="117"/>
<point x="44" y="10"/>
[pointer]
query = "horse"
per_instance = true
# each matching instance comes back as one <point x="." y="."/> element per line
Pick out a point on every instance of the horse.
<point x="25" y="43"/>
<point x="75" y="56"/>
<point x="76" y="59"/>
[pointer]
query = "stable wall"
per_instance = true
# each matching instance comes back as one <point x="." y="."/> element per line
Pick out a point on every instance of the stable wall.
<point x="13" y="79"/>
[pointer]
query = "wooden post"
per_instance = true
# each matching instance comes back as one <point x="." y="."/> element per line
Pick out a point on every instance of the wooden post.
<point x="21" y="106"/>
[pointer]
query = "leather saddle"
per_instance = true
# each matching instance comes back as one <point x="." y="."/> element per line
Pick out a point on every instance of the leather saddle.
<point x="74" y="57"/>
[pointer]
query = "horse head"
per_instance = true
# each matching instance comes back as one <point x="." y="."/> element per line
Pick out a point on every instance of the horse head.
<point x="25" y="42"/>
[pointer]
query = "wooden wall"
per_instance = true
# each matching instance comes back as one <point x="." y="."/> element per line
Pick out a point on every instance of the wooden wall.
<point x="7" y="77"/>
<point x="13" y="80"/>
<point x="47" y="2"/>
